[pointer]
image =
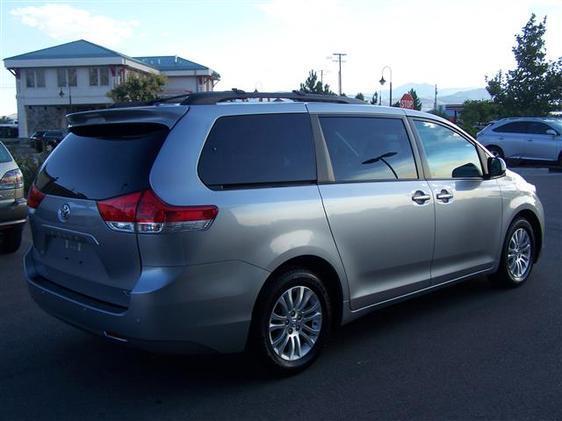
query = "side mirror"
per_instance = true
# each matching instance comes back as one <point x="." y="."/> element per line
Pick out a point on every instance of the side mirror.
<point x="467" y="171"/>
<point x="551" y="132"/>
<point x="496" y="167"/>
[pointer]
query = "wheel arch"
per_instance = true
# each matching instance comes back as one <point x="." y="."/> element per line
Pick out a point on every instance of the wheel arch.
<point x="530" y="216"/>
<point x="320" y="266"/>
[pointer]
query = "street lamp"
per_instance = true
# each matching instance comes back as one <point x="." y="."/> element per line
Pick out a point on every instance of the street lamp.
<point x="383" y="81"/>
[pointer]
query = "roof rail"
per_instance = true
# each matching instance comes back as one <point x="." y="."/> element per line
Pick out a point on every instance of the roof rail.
<point x="209" y="98"/>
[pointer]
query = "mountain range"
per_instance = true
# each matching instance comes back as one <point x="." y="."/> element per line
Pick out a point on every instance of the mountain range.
<point x="426" y="93"/>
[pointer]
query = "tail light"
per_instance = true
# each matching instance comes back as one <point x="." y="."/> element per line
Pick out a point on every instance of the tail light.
<point x="13" y="179"/>
<point x="35" y="197"/>
<point x="144" y="212"/>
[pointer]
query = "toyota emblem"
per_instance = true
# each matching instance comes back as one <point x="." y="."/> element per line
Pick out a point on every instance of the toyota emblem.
<point x="64" y="212"/>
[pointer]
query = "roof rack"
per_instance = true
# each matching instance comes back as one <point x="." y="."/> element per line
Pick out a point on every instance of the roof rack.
<point x="209" y="98"/>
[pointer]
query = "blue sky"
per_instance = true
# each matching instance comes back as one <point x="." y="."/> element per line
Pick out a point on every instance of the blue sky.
<point x="271" y="44"/>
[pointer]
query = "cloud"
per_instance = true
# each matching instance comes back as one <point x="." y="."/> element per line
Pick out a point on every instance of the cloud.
<point x="66" y="23"/>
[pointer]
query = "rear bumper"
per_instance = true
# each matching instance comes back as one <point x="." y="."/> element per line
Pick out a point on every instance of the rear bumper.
<point x="13" y="213"/>
<point x="193" y="309"/>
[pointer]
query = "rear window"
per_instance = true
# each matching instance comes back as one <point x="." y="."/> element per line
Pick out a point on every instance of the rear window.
<point x="4" y="154"/>
<point x="258" y="150"/>
<point x="515" y="127"/>
<point x="100" y="162"/>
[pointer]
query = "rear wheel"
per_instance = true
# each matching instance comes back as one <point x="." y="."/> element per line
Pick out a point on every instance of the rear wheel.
<point x="517" y="255"/>
<point x="11" y="239"/>
<point x="292" y="321"/>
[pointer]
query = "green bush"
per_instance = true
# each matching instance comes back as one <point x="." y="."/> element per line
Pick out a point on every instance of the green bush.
<point x="29" y="166"/>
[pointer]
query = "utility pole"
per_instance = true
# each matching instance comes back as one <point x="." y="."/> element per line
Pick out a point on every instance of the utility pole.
<point x="435" y="99"/>
<point x="322" y="77"/>
<point x="339" y="61"/>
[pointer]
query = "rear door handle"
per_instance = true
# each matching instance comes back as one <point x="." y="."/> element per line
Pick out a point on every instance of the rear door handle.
<point x="444" y="196"/>
<point x="420" y="197"/>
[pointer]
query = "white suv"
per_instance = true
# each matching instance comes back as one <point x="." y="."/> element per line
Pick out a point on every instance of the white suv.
<point x="525" y="139"/>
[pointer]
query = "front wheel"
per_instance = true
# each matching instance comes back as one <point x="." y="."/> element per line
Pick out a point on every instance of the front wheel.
<point x="292" y="321"/>
<point x="517" y="255"/>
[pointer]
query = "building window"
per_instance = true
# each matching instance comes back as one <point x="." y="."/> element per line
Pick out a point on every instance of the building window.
<point x="66" y="77"/>
<point x="104" y="76"/>
<point x="72" y="79"/>
<point x="40" y="78"/>
<point x="93" y="76"/>
<point x="61" y="78"/>
<point x="35" y="78"/>
<point x="99" y="76"/>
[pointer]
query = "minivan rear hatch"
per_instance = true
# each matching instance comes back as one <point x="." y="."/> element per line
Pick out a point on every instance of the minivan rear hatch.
<point x="107" y="154"/>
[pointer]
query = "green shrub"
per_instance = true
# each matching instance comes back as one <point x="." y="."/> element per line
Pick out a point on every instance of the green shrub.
<point x="29" y="166"/>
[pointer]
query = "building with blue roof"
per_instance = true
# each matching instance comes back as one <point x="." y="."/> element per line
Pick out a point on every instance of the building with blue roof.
<point x="78" y="75"/>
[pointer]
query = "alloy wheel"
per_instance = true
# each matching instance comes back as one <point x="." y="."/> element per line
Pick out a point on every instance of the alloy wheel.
<point x="295" y="323"/>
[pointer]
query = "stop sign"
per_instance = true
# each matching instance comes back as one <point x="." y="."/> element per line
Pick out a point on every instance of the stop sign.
<point x="407" y="101"/>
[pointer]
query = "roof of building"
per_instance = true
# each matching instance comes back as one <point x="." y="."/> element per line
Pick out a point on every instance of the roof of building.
<point x="169" y="63"/>
<point x="74" y="49"/>
<point x="86" y="49"/>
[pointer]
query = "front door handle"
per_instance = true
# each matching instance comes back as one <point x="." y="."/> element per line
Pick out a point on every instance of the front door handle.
<point x="420" y="197"/>
<point x="444" y="196"/>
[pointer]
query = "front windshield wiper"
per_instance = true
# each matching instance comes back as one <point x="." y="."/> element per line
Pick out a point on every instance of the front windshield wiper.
<point x="381" y="158"/>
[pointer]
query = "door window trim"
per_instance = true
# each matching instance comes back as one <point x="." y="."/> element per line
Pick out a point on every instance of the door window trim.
<point x="324" y="162"/>
<point x="427" y="172"/>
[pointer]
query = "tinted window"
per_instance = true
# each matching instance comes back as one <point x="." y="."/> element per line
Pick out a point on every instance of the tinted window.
<point x="536" y="127"/>
<point x="515" y="127"/>
<point x="102" y="161"/>
<point x="4" y="155"/>
<point x="367" y="148"/>
<point x="258" y="149"/>
<point x="448" y="154"/>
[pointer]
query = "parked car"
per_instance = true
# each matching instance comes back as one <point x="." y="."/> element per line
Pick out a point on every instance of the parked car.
<point x="525" y="139"/>
<point x="13" y="209"/>
<point x="8" y="131"/>
<point x="47" y="140"/>
<point x="226" y="225"/>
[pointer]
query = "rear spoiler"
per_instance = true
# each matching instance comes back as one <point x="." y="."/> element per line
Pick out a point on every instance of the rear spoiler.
<point x="165" y="115"/>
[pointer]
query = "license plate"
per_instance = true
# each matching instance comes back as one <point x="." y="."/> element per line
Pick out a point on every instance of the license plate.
<point x="73" y="245"/>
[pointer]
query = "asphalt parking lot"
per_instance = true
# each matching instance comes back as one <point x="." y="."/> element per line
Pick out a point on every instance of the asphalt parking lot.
<point x="471" y="351"/>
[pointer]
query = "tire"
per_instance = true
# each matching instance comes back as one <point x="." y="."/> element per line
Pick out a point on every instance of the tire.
<point x="518" y="235"/>
<point x="11" y="240"/>
<point x="558" y="167"/>
<point x="279" y="347"/>
<point x="496" y="151"/>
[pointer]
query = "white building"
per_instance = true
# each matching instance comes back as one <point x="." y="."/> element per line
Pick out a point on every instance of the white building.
<point x="76" y="76"/>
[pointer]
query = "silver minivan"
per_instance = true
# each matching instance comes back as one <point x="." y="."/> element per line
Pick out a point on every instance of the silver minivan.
<point x="262" y="221"/>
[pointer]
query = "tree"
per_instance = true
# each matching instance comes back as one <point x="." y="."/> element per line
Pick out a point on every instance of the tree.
<point x="360" y="96"/>
<point x="477" y="113"/>
<point x="417" y="101"/>
<point x="313" y="86"/>
<point x="396" y="104"/>
<point x="5" y="120"/>
<point x="138" y="88"/>
<point x="439" y="112"/>
<point x="534" y="87"/>
<point x="374" y="99"/>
